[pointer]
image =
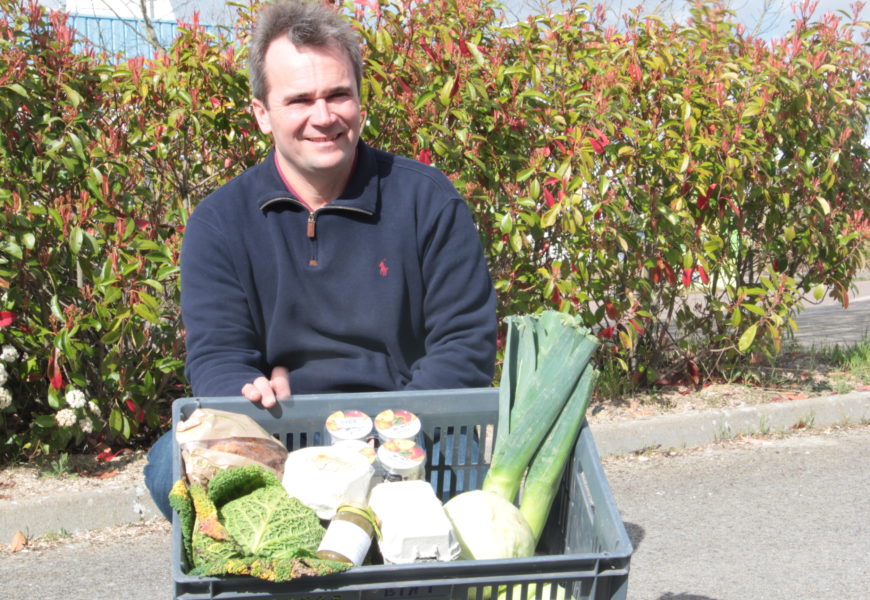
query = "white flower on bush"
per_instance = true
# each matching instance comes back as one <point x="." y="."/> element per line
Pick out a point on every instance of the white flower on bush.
<point x="8" y="353"/>
<point x="76" y="398"/>
<point x="65" y="417"/>
<point x="94" y="408"/>
<point x="5" y="398"/>
<point x="4" y="375"/>
<point x="86" y="425"/>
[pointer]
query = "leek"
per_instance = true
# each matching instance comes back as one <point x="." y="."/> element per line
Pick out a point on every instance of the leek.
<point x="552" y="351"/>
<point x="545" y="472"/>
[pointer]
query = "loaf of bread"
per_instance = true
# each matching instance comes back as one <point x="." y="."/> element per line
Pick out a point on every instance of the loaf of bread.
<point x="213" y="440"/>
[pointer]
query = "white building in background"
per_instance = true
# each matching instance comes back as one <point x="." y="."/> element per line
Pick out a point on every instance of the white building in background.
<point x="211" y="12"/>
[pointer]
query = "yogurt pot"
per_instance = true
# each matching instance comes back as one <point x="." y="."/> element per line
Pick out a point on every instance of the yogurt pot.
<point x="351" y="424"/>
<point x="397" y="425"/>
<point x="365" y="448"/>
<point x="402" y="460"/>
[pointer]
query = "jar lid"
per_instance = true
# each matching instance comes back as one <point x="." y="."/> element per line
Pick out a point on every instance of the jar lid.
<point x="365" y="512"/>
<point x="402" y="456"/>
<point x="360" y="446"/>
<point x="397" y="425"/>
<point x="348" y="425"/>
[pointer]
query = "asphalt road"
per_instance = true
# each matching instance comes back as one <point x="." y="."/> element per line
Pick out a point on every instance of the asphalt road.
<point x="776" y="520"/>
<point x="772" y="520"/>
<point x="830" y="324"/>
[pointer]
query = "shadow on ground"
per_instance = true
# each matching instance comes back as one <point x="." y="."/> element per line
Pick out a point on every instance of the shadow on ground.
<point x="635" y="533"/>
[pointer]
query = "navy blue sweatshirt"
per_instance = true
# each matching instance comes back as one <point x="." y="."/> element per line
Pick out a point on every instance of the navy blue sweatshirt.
<point x="384" y="288"/>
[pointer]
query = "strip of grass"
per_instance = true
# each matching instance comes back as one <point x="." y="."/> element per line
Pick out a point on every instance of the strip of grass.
<point x="853" y="359"/>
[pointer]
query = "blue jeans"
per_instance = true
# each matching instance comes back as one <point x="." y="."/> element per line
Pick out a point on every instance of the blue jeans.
<point x="158" y="473"/>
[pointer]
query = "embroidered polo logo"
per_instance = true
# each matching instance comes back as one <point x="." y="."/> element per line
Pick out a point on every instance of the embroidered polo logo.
<point x="382" y="267"/>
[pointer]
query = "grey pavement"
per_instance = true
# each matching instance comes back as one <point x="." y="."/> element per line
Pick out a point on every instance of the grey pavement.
<point x="775" y="520"/>
<point x="828" y="323"/>
<point x="768" y="521"/>
<point x="779" y="519"/>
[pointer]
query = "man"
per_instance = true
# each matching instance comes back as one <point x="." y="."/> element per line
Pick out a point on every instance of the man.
<point x="330" y="267"/>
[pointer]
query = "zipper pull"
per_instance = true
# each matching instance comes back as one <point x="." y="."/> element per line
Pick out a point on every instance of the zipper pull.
<point x="311" y="228"/>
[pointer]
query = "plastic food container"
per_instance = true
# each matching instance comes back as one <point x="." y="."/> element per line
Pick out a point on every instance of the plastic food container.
<point x="351" y="424"/>
<point x="584" y="552"/>
<point x="364" y="448"/>
<point x="397" y="424"/>
<point x="402" y="460"/>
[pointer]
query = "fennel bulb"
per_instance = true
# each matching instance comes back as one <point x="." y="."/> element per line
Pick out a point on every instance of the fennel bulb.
<point x="488" y="526"/>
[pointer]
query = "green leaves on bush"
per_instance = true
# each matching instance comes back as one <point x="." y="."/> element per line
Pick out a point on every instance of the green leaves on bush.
<point x="679" y="187"/>
<point x="100" y="167"/>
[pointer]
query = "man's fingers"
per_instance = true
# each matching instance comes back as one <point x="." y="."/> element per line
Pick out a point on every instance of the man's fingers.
<point x="281" y="383"/>
<point x="268" y="391"/>
<point x="267" y="395"/>
<point x="250" y="392"/>
<point x="260" y="391"/>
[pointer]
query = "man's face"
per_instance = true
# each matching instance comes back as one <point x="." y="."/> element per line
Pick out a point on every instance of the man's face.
<point x="312" y="110"/>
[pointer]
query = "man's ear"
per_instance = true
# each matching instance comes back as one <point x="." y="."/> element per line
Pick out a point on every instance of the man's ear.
<point x="262" y="115"/>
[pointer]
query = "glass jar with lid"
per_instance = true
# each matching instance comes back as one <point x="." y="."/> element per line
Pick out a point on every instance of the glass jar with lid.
<point x="349" y="535"/>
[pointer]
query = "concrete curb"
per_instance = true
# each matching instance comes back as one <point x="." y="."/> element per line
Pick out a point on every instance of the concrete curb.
<point x="76" y="511"/>
<point x="95" y="509"/>
<point x="705" y="427"/>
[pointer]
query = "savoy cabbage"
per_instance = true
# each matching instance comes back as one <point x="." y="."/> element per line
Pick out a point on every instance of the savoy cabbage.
<point x="247" y="524"/>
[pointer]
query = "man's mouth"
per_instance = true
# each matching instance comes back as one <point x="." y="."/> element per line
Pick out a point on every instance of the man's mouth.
<point x="324" y="139"/>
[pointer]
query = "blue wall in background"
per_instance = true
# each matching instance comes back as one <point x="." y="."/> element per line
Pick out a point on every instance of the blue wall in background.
<point x="124" y="36"/>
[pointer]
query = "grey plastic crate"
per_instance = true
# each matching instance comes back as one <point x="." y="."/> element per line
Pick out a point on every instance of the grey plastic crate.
<point x="584" y="551"/>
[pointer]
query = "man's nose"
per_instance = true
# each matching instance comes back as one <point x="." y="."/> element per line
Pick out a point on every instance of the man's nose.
<point x="321" y="113"/>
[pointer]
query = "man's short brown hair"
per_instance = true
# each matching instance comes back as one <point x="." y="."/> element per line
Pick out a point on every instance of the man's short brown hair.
<point x="305" y="23"/>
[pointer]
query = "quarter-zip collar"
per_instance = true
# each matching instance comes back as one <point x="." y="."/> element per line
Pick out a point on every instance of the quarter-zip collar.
<point x="360" y="195"/>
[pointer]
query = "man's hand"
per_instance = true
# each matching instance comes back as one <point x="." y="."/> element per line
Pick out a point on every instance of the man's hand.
<point x="268" y="391"/>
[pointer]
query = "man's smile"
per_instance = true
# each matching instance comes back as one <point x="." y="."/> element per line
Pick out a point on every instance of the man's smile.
<point x="324" y="139"/>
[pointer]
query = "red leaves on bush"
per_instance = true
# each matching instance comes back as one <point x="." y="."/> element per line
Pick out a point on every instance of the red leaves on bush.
<point x="137" y="411"/>
<point x="425" y="156"/>
<point x="687" y="276"/>
<point x="556" y="299"/>
<point x="548" y="198"/>
<point x="599" y="141"/>
<point x="6" y="318"/>
<point x="463" y="48"/>
<point x="55" y="377"/>
<point x="704" y="199"/>
<point x="597" y="146"/>
<point x="727" y="200"/>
